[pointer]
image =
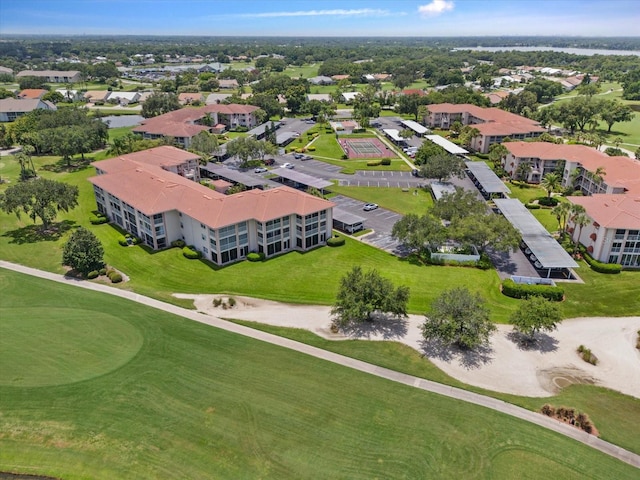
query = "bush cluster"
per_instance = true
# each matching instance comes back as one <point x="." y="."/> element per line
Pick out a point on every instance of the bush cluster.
<point x="610" y="268"/>
<point x="532" y="206"/>
<point x="548" y="201"/>
<point x="93" y="274"/>
<point x="102" y="271"/>
<point x="519" y="290"/>
<point x="114" y="276"/>
<point x="128" y="239"/>
<point x="190" y="252"/>
<point x="98" y="219"/>
<point x="569" y="415"/>
<point x="374" y="163"/>
<point x="178" y="243"/>
<point x="587" y="355"/>
<point x="255" y="256"/>
<point x="385" y="161"/>
<point x="336" y="241"/>
<point x="311" y="148"/>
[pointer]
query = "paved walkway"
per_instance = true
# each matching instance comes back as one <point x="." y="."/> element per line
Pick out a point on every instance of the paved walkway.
<point x="427" y="385"/>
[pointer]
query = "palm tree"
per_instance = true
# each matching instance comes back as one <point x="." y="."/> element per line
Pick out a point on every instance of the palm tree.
<point x="580" y="220"/>
<point x="561" y="212"/>
<point x="550" y="182"/>
<point x="523" y="170"/>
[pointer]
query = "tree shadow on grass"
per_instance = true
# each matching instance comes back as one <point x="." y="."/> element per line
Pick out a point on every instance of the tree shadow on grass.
<point x="468" y="358"/>
<point x="386" y="326"/>
<point x="63" y="165"/>
<point x="35" y="233"/>
<point x="542" y="342"/>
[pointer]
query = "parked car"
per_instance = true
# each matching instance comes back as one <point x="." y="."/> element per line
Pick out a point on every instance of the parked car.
<point x="298" y="156"/>
<point x="260" y="170"/>
<point x="306" y="157"/>
<point x="370" y="206"/>
<point x="269" y="161"/>
<point x="287" y="165"/>
<point x="416" y="173"/>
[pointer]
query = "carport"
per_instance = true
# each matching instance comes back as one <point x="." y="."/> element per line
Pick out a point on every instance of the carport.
<point x="346" y="221"/>
<point x="420" y="130"/>
<point x="450" y="147"/>
<point x="217" y="171"/>
<point x="299" y="178"/>
<point x="486" y="179"/>
<point x="544" y="251"/>
<point x="285" y="138"/>
<point x="394" y="135"/>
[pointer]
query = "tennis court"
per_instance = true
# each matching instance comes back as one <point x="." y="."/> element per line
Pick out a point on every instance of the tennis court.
<point x="365" y="148"/>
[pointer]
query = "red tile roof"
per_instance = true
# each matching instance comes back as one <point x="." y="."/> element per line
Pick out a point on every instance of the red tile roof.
<point x="612" y="211"/>
<point x="32" y="93"/>
<point x="152" y="190"/>
<point x="618" y="171"/>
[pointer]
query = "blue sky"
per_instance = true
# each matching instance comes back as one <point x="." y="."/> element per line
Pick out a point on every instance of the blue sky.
<point x="323" y="17"/>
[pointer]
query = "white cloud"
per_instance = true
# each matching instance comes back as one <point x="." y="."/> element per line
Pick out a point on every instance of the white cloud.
<point x="436" y="7"/>
<point x="361" y="12"/>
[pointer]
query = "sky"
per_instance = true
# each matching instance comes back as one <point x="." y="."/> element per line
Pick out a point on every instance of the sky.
<point x="322" y="17"/>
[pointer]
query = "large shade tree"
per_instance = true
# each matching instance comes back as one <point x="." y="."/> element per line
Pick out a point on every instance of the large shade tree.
<point x="83" y="251"/>
<point x="458" y="317"/>
<point x="361" y="295"/>
<point x="535" y="314"/>
<point x="39" y="198"/>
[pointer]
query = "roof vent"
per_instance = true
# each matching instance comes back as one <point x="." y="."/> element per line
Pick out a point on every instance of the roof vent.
<point x="207" y="197"/>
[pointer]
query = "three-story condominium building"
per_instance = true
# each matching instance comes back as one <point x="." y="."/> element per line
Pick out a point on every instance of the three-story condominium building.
<point x="150" y="195"/>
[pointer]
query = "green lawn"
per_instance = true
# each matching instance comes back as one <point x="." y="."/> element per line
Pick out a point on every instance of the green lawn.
<point x="118" y="132"/>
<point x="303" y="71"/>
<point x="611" y="411"/>
<point x="390" y="198"/>
<point x="197" y="402"/>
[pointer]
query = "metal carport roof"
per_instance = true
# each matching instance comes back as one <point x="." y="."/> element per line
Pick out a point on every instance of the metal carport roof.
<point x="547" y="250"/>
<point x="489" y="181"/>
<point x="345" y="217"/>
<point x="415" y="126"/>
<point x="450" y="147"/>
<point x="301" y="178"/>
<point x="234" y="175"/>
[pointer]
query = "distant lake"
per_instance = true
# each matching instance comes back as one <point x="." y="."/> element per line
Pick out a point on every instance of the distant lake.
<point x="116" y="121"/>
<point x="575" y="51"/>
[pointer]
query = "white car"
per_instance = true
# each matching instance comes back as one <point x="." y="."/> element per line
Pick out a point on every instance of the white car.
<point x="260" y="170"/>
<point x="370" y="206"/>
<point x="287" y="165"/>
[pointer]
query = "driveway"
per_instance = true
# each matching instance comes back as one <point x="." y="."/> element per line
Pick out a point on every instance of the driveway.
<point x="380" y="220"/>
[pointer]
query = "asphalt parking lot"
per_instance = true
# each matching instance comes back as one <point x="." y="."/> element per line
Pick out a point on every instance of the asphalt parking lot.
<point x="381" y="221"/>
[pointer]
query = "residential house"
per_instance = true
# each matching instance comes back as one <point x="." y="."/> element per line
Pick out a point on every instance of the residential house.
<point x="349" y="97"/>
<point x="321" y="97"/>
<point x="5" y="71"/>
<point x="493" y="124"/>
<point x="217" y="98"/>
<point x="228" y="83"/>
<point x="12" y="108"/>
<point x="53" y="76"/>
<point x="123" y="98"/>
<point x="321" y="80"/>
<point x="160" y="206"/>
<point x="190" y="98"/>
<point x="32" y="93"/>
<point x="337" y="78"/>
<point x="497" y="96"/>
<point x="97" y="96"/>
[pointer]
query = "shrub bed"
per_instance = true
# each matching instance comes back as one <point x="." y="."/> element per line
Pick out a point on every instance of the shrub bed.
<point x="548" y="201"/>
<point x="255" y="256"/>
<point x="115" y="277"/>
<point x="609" y="268"/>
<point x="178" y="243"/>
<point x="336" y="241"/>
<point x="587" y="355"/>
<point x="532" y="206"/>
<point x="374" y="163"/>
<point x="569" y="415"/>
<point x="93" y="274"/>
<point x="191" y="253"/>
<point x="98" y="219"/>
<point x="385" y="161"/>
<point x="517" y="290"/>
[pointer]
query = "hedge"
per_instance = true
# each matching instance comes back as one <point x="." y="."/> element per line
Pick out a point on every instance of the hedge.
<point x="374" y="163"/>
<point x="532" y="206"/>
<point x="385" y="161"/>
<point x="519" y="290"/>
<point x="336" y="241"/>
<point x="548" y="201"/>
<point x="610" y="268"/>
<point x="255" y="256"/>
<point x="122" y="240"/>
<point x="98" y="219"/>
<point x="190" y="253"/>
